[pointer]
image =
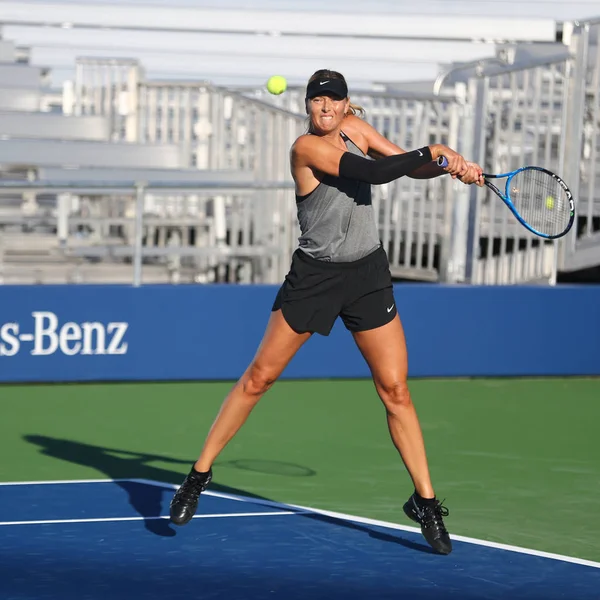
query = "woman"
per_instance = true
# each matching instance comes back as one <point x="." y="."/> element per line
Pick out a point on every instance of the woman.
<point x="339" y="269"/>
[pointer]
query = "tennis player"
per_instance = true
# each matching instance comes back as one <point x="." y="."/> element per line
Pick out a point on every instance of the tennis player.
<point x="341" y="270"/>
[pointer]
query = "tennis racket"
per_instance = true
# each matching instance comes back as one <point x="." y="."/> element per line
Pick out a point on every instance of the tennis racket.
<point x="539" y="199"/>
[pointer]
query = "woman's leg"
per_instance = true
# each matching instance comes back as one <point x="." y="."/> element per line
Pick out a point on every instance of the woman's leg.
<point x="279" y="344"/>
<point x="384" y="349"/>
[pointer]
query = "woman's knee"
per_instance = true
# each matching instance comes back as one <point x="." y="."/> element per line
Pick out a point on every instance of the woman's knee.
<point x="394" y="394"/>
<point x="257" y="380"/>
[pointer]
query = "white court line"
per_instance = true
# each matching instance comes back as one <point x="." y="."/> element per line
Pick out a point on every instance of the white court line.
<point x="336" y="515"/>
<point x="116" y="519"/>
<point x="387" y="524"/>
<point x="65" y="481"/>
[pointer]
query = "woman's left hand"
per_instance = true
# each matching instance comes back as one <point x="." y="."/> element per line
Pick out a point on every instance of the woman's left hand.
<point x="473" y="175"/>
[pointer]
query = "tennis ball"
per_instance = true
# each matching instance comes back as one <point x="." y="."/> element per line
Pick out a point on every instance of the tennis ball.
<point x="277" y="84"/>
<point x="549" y="202"/>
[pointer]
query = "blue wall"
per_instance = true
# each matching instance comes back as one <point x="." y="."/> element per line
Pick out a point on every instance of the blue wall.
<point x="211" y="332"/>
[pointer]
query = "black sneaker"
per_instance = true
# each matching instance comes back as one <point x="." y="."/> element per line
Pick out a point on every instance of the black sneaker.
<point x="185" y="501"/>
<point x="430" y="518"/>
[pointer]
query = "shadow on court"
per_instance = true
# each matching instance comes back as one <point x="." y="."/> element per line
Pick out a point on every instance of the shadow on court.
<point x="148" y="501"/>
<point x="373" y="533"/>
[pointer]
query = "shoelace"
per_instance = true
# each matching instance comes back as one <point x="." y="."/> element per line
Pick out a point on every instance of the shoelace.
<point x="433" y="516"/>
<point x="190" y="489"/>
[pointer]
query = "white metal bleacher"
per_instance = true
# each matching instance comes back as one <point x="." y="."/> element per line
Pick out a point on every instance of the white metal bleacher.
<point x="53" y="126"/>
<point x="49" y="235"/>
<point x="20" y="99"/>
<point x="99" y="224"/>
<point x="73" y="153"/>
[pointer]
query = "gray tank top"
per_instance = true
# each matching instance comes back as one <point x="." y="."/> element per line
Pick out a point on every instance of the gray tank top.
<point x="337" y="221"/>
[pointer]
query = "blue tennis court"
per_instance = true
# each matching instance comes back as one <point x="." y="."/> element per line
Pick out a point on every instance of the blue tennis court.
<point x="111" y="539"/>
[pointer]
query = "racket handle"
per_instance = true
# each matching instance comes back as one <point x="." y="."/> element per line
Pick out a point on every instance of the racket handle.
<point x="442" y="161"/>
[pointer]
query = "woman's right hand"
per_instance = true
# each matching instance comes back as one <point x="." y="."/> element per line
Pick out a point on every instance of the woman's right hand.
<point x="457" y="165"/>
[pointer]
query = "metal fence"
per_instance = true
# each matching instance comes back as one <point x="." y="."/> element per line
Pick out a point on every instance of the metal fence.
<point x="545" y="114"/>
<point x="173" y="225"/>
<point x="225" y="129"/>
<point x="582" y="145"/>
<point x="517" y="120"/>
<point x="215" y="129"/>
<point x="543" y="109"/>
<point x="540" y="109"/>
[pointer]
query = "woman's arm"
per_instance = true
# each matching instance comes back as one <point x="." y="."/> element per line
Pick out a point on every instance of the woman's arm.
<point x="310" y="153"/>
<point x="379" y="146"/>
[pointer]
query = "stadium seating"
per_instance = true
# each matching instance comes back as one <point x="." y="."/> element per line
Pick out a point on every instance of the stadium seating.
<point x="216" y="192"/>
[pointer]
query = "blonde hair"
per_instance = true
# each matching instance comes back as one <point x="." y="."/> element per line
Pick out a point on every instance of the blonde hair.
<point x="353" y="109"/>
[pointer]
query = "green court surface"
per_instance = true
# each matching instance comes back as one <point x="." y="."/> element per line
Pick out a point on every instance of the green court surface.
<point x="517" y="460"/>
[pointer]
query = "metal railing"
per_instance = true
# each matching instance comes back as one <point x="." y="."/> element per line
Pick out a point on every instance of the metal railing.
<point x="221" y="128"/>
<point x="520" y="113"/>
<point x="582" y="145"/>
<point x="545" y="114"/>
<point x="543" y="111"/>
<point x="214" y="230"/>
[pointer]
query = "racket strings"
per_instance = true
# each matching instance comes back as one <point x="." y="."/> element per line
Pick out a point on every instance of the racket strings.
<point x="541" y="201"/>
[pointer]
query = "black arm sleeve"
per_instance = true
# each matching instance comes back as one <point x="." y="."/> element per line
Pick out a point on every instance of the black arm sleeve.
<point x="385" y="169"/>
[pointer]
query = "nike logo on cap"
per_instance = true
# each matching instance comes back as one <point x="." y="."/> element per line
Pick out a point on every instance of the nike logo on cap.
<point x="323" y="82"/>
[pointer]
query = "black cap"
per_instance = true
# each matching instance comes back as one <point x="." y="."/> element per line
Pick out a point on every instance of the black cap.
<point x="327" y="85"/>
